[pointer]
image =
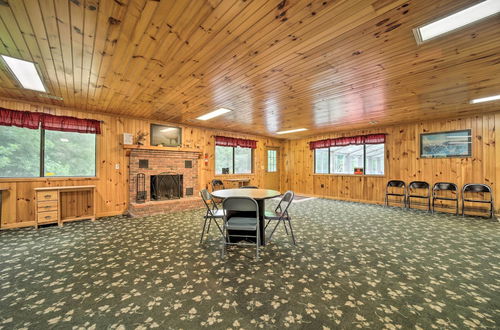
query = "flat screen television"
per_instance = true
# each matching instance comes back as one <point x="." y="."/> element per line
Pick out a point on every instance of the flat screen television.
<point x="165" y="136"/>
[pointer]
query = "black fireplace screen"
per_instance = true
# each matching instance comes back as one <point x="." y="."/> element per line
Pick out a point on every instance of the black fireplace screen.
<point x="166" y="186"/>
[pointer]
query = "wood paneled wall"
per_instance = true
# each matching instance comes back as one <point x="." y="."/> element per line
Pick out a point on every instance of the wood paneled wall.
<point x="112" y="184"/>
<point x="402" y="161"/>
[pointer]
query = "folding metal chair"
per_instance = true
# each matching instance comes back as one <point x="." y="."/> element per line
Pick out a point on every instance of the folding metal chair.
<point x="281" y="215"/>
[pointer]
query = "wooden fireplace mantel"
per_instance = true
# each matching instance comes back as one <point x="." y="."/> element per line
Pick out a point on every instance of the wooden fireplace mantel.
<point x="138" y="147"/>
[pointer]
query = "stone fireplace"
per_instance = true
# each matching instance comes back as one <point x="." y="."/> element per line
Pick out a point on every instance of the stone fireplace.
<point x="169" y="181"/>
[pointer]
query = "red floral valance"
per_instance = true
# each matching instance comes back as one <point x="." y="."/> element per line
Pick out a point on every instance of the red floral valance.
<point x="235" y="142"/>
<point x="345" y="141"/>
<point x="33" y="120"/>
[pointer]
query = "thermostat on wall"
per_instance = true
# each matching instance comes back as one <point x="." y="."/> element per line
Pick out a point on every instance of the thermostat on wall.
<point x="128" y="138"/>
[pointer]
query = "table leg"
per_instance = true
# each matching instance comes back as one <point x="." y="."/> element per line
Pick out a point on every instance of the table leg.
<point x="262" y="208"/>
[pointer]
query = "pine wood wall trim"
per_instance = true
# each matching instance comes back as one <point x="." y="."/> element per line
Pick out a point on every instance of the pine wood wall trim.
<point x="112" y="185"/>
<point x="402" y="161"/>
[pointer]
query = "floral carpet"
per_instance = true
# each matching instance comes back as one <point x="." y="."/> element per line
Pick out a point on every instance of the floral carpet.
<point x="355" y="266"/>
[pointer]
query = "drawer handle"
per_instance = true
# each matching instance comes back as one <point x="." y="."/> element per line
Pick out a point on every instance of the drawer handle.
<point x="47" y="207"/>
<point x="48" y="217"/>
<point x="48" y="196"/>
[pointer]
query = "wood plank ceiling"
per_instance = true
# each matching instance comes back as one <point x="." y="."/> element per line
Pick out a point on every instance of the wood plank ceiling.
<point x="324" y="65"/>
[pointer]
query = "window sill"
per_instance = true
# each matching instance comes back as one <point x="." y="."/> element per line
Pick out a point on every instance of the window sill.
<point x="354" y="175"/>
<point x="234" y="175"/>
<point x="59" y="178"/>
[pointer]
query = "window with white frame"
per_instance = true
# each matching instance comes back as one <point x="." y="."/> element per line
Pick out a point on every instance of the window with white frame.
<point x="272" y="160"/>
<point x="344" y="159"/>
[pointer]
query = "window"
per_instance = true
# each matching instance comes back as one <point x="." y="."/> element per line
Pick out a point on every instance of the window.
<point x="233" y="160"/>
<point x="26" y="153"/>
<point x="375" y="159"/>
<point x="19" y="152"/>
<point x="69" y="154"/>
<point x="272" y="160"/>
<point x="343" y="160"/>
<point x="322" y="162"/>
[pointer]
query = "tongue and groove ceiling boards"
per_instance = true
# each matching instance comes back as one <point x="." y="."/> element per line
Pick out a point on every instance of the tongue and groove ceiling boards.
<point x="323" y="65"/>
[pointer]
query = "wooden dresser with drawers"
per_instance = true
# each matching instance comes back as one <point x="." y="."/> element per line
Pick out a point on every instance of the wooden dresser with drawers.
<point x="63" y="204"/>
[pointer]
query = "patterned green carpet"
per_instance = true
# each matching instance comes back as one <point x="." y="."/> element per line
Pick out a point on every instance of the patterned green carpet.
<point x="356" y="266"/>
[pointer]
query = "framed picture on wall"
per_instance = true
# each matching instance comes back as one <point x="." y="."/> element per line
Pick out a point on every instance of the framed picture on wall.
<point x="446" y="144"/>
<point x="165" y="136"/>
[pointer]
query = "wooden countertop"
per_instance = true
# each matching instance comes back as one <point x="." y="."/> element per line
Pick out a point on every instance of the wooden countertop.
<point x="64" y="188"/>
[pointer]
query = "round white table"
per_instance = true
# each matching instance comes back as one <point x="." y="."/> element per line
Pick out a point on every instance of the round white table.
<point x="260" y="195"/>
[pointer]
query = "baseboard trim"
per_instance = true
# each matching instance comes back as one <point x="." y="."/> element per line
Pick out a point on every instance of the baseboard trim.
<point x="110" y="213"/>
<point x="18" y="225"/>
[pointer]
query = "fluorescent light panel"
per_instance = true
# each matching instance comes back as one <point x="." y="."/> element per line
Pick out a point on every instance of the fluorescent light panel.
<point x="214" y="114"/>
<point x="26" y="73"/>
<point x="292" y="131"/>
<point x="486" y="99"/>
<point x="455" y="21"/>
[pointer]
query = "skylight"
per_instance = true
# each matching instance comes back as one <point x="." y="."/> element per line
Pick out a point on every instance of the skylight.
<point x="292" y="131"/>
<point x="214" y="114"/>
<point x="457" y="20"/>
<point x="26" y="73"/>
<point x="486" y="99"/>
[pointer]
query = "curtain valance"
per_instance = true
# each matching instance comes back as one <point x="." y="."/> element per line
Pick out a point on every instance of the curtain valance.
<point x="33" y="120"/>
<point x="235" y="142"/>
<point x="345" y="141"/>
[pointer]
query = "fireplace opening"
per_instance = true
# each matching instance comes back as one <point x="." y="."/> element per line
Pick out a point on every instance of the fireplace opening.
<point x="166" y="186"/>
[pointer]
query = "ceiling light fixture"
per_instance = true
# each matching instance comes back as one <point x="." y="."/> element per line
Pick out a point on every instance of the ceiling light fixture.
<point x="457" y="20"/>
<point x="26" y="73"/>
<point x="214" y="114"/>
<point x="486" y="99"/>
<point x="292" y="131"/>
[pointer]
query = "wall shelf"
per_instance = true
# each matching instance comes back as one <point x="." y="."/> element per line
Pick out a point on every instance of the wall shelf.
<point x="138" y="147"/>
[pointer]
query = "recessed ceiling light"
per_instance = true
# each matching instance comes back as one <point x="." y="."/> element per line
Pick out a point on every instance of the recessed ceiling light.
<point x="457" y="20"/>
<point x="292" y="131"/>
<point x="26" y="73"/>
<point x="214" y="114"/>
<point x="373" y="122"/>
<point x="486" y="99"/>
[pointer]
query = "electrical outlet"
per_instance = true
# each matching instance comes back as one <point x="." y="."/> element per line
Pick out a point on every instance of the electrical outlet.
<point x="117" y="166"/>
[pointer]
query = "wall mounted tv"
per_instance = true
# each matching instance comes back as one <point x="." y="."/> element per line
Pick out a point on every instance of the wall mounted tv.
<point x="165" y="136"/>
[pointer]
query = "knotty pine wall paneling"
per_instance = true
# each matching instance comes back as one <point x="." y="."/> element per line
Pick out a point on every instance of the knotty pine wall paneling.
<point x="111" y="183"/>
<point x="402" y="161"/>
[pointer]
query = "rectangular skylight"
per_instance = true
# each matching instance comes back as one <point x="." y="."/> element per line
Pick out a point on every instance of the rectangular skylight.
<point x="292" y="131"/>
<point x="26" y="73"/>
<point x="457" y="20"/>
<point x="486" y="99"/>
<point x="214" y="114"/>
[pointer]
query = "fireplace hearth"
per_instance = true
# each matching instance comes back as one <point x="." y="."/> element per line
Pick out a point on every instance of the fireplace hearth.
<point x="166" y="186"/>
